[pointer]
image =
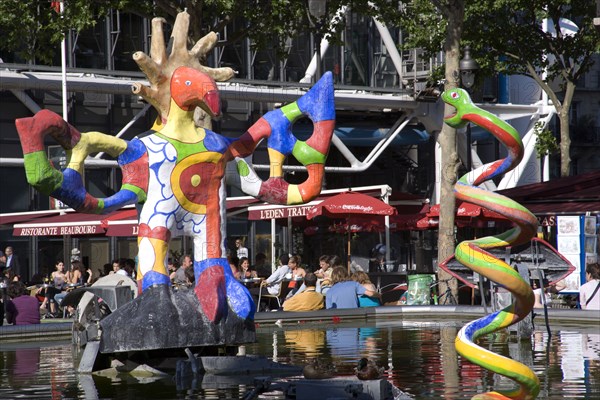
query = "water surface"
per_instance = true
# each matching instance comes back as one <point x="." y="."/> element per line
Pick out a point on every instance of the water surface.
<point x="419" y="359"/>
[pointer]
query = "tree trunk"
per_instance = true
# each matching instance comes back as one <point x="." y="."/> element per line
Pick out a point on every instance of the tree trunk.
<point x="447" y="141"/>
<point x="565" y="146"/>
<point x="565" y="135"/>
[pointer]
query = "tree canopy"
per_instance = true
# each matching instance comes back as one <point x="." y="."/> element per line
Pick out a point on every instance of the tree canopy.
<point x="33" y="29"/>
<point x="551" y="41"/>
<point x="509" y="36"/>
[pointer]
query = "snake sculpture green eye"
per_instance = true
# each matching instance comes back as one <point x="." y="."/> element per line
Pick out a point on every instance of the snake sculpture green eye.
<point x="473" y="254"/>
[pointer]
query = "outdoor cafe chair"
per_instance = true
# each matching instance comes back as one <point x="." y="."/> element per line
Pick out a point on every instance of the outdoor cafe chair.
<point x="284" y="289"/>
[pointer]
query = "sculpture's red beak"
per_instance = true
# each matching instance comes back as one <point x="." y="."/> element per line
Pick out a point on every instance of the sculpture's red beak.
<point x="192" y="88"/>
<point x="213" y="102"/>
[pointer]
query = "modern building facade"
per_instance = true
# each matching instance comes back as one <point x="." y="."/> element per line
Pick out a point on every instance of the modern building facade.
<point x="386" y="124"/>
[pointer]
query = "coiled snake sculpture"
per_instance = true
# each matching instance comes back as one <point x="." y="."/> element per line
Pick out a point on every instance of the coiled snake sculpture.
<point x="473" y="254"/>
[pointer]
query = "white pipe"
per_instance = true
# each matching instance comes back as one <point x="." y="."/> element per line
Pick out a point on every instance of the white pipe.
<point x="438" y="172"/>
<point x="27" y="101"/>
<point x="232" y="90"/>
<point x="511" y="179"/>
<point x="128" y="125"/>
<point x="358" y="166"/>
<point x="63" y="62"/>
<point x="390" y="46"/>
<point x="312" y="67"/>
<point x="323" y="46"/>
<point x="273" y="239"/>
<point x="385" y="197"/>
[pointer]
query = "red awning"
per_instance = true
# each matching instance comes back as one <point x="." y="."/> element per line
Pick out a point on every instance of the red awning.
<point x="349" y="204"/>
<point x="576" y="194"/>
<point x="412" y="218"/>
<point x="22" y="217"/>
<point x="121" y="223"/>
<point x="468" y="210"/>
<point x="125" y="222"/>
<point x="272" y="211"/>
<point x="411" y="222"/>
<point x="563" y="207"/>
<point x="73" y="223"/>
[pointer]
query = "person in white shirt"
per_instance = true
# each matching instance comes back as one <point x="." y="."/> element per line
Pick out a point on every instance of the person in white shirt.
<point x="119" y="267"/>
<point x="589" y="293"/>
<point x="241" y="250"/>
<point x="272" y="284"/>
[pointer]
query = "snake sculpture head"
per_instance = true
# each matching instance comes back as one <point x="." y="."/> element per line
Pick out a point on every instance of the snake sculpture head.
<point x="473" y="254"/>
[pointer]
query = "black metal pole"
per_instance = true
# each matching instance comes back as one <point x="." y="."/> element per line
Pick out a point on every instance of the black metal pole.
<point x="318" y="50"/>
<point x="469" y="159"/>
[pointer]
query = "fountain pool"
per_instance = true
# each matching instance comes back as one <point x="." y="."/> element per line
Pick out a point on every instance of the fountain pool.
<point x="419" y="358"/>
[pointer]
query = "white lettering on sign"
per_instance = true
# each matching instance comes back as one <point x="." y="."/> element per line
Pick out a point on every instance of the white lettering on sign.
<point x="78" y="230"/>
<point x="48" y="231"/>
<point x="549" y="220"/>
<point x="135" y="229"/>
<point x="357" y="207"/>
<point x="284" y="212"/>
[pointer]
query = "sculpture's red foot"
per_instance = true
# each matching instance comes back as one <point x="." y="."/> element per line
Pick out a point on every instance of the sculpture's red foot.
<point x="211" y="292"/>
<point x="33" y="129"/>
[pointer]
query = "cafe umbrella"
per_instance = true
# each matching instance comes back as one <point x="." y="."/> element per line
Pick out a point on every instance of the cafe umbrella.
<point x="350" y="204"/>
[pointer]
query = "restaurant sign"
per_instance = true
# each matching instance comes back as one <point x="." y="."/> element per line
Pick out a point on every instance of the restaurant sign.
<point x="59" y="230"/>
<point x="277" y="213"/>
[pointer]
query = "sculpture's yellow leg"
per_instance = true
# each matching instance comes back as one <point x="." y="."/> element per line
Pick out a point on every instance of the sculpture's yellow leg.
<point x="153" y="245"/>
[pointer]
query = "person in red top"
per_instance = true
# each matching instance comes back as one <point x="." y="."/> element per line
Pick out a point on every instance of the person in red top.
<point x="22" y="309"/>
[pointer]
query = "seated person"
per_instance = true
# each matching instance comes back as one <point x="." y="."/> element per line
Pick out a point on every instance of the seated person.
<point x="296" y="277"/>
<point x="75" y="275"/>
<point x="344" y="292"/>
<point x="272" y="284"/>
<point x="245" y="270"/>
<point x="22" y="309"/>
<point x="178" y="277"/>
<point x="74" y="278"/>
<point x="308" y="300"/>
<point x="364" y="300"/>
<point x="59" y="283"/>
<point x="324" y="273"/>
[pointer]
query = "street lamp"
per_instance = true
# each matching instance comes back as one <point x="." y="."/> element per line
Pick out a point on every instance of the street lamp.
<point x="468" y="67"/>
<point x="317" y="9"/>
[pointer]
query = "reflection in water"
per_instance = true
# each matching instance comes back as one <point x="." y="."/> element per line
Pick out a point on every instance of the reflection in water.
<point x="310" y="342"/>
<point x="26" y="363"/>
<point x="420" y="359"/>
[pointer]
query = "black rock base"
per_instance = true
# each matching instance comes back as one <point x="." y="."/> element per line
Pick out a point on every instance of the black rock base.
<point x="161" y="318"/>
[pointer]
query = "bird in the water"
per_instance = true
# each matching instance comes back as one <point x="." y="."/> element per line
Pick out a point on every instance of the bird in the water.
<point x="317" y="369"/>
<point x="367" y="370"/>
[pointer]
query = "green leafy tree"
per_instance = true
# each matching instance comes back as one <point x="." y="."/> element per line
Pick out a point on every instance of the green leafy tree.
<point x="33" y="29"/>
<point x="509" y="37"/>
<point x="545" y="143"/>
